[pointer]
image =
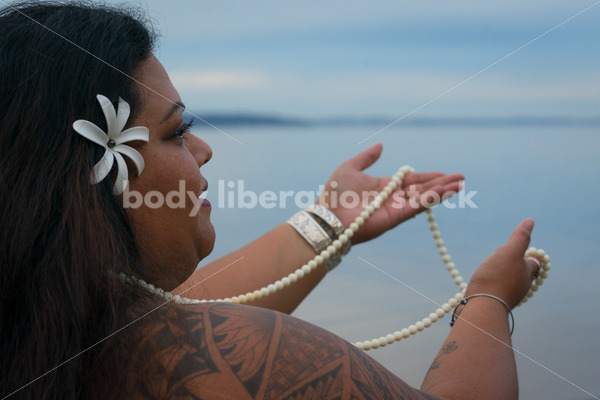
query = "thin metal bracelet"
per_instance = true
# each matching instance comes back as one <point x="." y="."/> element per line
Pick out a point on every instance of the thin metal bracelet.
<point x="464" y="301"/>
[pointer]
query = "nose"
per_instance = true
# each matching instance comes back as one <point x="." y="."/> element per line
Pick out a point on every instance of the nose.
<point x="200" y="149"/>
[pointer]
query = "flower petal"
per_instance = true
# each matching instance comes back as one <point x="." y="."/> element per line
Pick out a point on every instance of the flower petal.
<point x="122" y="115"/>
<point x="103" y="167"/>
<point x="135" y="133"/>
<point x="132" y="153"/>
<point x="110" y="114"/>
<point x="122" y="174"/>
<point x="90" y="132"/>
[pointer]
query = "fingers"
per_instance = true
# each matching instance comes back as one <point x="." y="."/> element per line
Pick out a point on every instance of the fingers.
<point x="521" y="236"/>
<point x="367" y="158"/>
<point x="422" y="182"/>
<point x="533" y="264"/>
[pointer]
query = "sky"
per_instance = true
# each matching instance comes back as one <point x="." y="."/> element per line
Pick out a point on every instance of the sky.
<point x="382" y="58"/>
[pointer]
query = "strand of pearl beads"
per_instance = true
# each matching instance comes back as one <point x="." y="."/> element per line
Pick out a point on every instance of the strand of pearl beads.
<point x="337" y="244"/>
<point x="426" y="322"/>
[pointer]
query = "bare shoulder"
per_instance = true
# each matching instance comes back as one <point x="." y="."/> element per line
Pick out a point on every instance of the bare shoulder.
<point x="219" y="351"/>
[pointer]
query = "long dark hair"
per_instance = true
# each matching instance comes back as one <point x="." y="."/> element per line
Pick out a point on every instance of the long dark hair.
<point x="61" y="238"/>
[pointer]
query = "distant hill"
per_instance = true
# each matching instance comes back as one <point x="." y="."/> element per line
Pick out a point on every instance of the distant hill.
<point x="222" y="119"/>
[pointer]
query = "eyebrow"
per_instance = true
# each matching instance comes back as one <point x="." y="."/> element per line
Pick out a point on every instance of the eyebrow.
<point x="176" y="106"/>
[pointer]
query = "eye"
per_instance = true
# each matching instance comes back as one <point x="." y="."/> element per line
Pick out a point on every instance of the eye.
<point x="183" y="129"/>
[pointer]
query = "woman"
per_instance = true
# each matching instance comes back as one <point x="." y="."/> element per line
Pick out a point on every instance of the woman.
<point x="72" y="328"/>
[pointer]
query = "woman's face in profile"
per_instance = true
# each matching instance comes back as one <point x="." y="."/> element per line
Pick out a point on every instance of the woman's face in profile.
<point x="171" y="224"/>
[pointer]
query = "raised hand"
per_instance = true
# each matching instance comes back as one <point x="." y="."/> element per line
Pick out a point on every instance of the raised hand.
<point x="350" y="189"/>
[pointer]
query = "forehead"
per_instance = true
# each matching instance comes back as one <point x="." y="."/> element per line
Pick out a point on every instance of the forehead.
<point x="158" y="94"/>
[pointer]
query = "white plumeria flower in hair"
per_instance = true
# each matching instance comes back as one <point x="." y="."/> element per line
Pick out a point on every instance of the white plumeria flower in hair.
<point x="113" y="142"/>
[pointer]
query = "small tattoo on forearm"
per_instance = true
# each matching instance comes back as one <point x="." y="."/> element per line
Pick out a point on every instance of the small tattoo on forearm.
<point x="447" y="349"/>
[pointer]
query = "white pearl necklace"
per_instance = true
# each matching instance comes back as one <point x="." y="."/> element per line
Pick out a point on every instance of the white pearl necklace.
<point x="336" y="245"/>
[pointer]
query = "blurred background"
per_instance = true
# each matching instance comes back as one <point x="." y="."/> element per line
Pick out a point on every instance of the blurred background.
<point x="506" y="92"/>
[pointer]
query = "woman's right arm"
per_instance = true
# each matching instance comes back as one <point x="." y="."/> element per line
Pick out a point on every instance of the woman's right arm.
<point x="226" y="351"/>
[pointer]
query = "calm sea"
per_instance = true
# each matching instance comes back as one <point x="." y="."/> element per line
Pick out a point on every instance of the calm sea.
<point x="550" y="174"/>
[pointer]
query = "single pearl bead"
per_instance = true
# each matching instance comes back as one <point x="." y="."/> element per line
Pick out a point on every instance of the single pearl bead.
<point x="446" y="258"/>
<point x="454" y="273"/>
<point x="397" y="336"/>
<point x="453" y="302"/>
<point x="286" y="281"/>
<point x="319" y="260"/>
<point x="384" y="195"/>
<point x="312" y="264"/>
<point x="271" y="288"/>
<point x="359" y="345"/>
<point x="546" y="258"/>
<point x="546" y="267"/>
<point x="370" y="209"/>
<point x="390" y="338"/>
<point x="337" y="244"/>
<point x="293" y="277"/>
<point x="541" y="253"/>
<point x="433" y="317"/>
<point x="436" y="235"/>
<point x="250" y="297"/>
<point x="306" y="269"/>
<point x="427" y="322"/>
<point x="325" y="255"/>
<point x="349" y="233"/>
<point x="359" y="220"/>
<point x="539" y="281"/>
<point x="462" y="287"/>
<point x="439" y="242"/>
<point x="364" y="214"/>
<point x="377" y="202"/>
<point x="420" y="326"/>
<point x="544" y="274"/>
<point x="388" y="190"/>
<point x="433" y="226"/>
<point x="459" y="296"/>
<point x="375" y="344"/>
<point x="412" y="329"/>
<point x="382" y="342"/>
<point x="443" y="251"/>
<point x="396" y="179"/>
<point x="440" y="312"/>
<point x="257" y="294"/>
<point x="458" y="280"/>
<point x="343" y="238"/>
<point x="366" y="345"/>
<point x="234" y="300"/>
<point x="450" y="266"/>
<point x="299" y="274"/>
<point x="446" y="307"/>
<point x="279" y="285"/>
<point x="392" y="185"/>
<point x="354" y="226"/>
<point x="332" y="250"/>
<point x="430" y="218"/>
<point x="405" y="333"/>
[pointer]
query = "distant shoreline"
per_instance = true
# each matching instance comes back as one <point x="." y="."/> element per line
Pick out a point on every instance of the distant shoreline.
<point x="264" y="120"/>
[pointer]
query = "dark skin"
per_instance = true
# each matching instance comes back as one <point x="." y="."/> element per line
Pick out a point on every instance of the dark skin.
<point x="220" y="351"/>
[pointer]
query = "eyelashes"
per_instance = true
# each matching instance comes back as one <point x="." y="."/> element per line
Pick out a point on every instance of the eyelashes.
<point x="183" y="128"/>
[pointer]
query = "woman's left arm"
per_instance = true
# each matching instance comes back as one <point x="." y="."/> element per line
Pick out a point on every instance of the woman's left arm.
<point x="282" y="250"/>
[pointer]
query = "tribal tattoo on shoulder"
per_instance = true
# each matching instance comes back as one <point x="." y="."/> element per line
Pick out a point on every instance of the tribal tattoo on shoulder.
<point x="239" y="352"/>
